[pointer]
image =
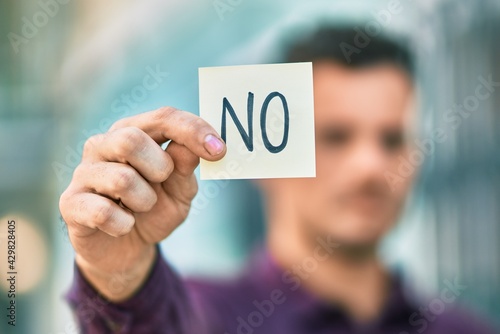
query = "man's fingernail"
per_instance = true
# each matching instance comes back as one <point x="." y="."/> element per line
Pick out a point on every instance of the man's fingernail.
<point x="213" y="145"/>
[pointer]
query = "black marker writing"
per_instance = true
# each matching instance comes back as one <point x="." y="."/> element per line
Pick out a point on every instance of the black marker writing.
<point x="263" y="113"/>
<point x="248" y="136"/>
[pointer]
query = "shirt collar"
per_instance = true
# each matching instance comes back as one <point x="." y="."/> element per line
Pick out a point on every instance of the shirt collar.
<point x="266" y="271"/>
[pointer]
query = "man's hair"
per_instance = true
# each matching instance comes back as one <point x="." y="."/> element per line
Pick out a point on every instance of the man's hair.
<point x="345" y="46"/>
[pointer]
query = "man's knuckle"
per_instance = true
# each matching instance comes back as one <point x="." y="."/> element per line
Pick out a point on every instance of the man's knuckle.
<point x="131" y="139"/>
<point x="163" y="113"/>
<point x="199" y="123"/>
<point x="198" y="128"/>
<point x="166" y="169"/>
<point x="191" y="128"/>
<point x="124" y="230"/>
<point x="193" y="190"/>
<point x="121" y="123"/>
<point x="133" y="135"/>
<point x="80" y="172"/>
<point x="103" y="212"/>
<point x="92" y="143"/>
<point x="150" y="201"/>
<point x="124" y="179"/>
<point x="63" y="204"/>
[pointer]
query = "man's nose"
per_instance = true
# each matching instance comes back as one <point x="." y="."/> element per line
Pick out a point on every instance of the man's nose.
<point x="368" y="160"/>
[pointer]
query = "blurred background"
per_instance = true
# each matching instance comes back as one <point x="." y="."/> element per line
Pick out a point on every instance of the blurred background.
<point x="70" y="68"/>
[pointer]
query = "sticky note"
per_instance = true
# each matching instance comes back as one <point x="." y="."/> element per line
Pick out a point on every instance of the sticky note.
<point x="265" y="114"/>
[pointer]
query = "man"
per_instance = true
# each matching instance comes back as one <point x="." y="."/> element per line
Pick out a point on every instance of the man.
<point x="318" y="273"/>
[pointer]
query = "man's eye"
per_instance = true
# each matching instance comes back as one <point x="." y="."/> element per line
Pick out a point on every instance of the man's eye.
<point x="392" y="141"/>
<point x="335" y="137"/>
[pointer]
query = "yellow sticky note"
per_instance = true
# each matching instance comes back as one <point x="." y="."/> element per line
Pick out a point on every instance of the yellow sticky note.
<point x="265" y="114"/>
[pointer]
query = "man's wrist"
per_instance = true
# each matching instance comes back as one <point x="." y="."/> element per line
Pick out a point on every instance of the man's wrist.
<point x="119" y="285"/>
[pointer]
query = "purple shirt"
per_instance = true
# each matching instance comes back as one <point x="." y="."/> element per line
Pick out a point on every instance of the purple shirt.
<point x="263" y="300"/>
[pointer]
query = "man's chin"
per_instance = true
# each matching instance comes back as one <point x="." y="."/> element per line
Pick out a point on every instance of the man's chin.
<point x="358" y="233"/>
<point x="358" y="243"/>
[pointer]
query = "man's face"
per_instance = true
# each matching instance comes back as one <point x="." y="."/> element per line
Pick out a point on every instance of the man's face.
<point x="361" y="116"/>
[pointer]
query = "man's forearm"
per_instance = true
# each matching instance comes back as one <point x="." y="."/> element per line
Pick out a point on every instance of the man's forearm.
<point x="121" y="285"/>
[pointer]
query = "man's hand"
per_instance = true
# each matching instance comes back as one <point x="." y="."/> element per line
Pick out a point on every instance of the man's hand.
<point x="127" y="194"/>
